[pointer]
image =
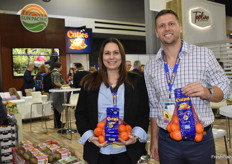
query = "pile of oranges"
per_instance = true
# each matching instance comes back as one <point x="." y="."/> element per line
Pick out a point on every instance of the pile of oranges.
<point x="124" y="131"/>
<point x="174" y="129"/>
<point x="99" y="131"/>
<point x="199" y="132"/>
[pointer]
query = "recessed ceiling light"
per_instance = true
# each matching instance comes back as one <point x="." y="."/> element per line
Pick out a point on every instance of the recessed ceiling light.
<point x="46" y="0"/>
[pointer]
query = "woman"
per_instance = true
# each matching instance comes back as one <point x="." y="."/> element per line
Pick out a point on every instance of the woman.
<point x="13" y="95"/>
<point x="96" y="96"/>
<point x="39" y="78"/>
<point x="70" y="76"/>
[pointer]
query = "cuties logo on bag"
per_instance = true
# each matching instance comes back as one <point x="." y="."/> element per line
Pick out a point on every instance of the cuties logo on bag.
<point x="34" y="18"/>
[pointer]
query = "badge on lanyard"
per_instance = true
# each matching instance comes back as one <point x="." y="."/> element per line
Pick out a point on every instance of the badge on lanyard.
<point x="168" y="109"/>
<point x="169" y="106"/>
<point x="110" y="135"/>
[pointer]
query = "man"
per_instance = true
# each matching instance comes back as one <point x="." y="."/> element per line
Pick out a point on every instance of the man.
<point x="80" y="73"/>
<point x="29" y="80"/>
<point x="142" y="67"/>
<point x="75" y="65"/>
<point x="137" y="67"/>
<point x="198" y="73"/>
<point x="128" y="65"/>
<point x="57" y="97"/>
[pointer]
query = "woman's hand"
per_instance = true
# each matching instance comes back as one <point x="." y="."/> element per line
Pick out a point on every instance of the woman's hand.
<point x="95" y="141"/>
<point x="131" y="140"/>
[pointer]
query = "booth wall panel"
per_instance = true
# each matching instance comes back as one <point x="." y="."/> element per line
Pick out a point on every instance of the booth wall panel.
<point x="14" y="35"/>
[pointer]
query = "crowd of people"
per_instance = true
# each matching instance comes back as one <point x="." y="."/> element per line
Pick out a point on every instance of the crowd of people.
<point x="139" y="95"/>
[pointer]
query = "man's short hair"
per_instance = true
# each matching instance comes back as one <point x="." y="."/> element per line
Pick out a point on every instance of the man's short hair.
<point x="78" y="65"/>
<point x="137" y="63"/>
<point x="165" y="11"/>
<point x="57" y="65"/>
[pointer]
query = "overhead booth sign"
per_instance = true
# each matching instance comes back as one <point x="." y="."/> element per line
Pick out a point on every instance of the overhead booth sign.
<point x="34" y="18"/>
<point x="78" y="40"/>
<point x="200" y="18"/>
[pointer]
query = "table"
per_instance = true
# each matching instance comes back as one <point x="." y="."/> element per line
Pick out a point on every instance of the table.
<point x="67" y="129"/>
<point x="216" y="106"/>
<point x="227" y="112"/>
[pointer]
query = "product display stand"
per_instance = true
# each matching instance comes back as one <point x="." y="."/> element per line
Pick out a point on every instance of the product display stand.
<point x="8" y="140"/>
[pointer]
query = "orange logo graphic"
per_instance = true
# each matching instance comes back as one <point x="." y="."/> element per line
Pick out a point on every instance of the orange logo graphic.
<point x="34" y="18"/>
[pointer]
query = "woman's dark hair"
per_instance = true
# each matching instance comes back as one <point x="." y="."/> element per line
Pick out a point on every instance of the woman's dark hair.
<point x="69" y="73"/>
<point x="94" y="80"/>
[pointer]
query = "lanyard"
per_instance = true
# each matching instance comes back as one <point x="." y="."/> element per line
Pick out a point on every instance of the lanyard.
<point x="114" y="95"/>
<point x="171" y="78"/>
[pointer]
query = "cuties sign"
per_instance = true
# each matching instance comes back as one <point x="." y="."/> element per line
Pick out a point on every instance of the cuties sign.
<point x="78" y="41"/>
<point x="34" y="18"/>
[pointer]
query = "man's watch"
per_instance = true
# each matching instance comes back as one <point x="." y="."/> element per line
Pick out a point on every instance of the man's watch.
<point x="211" y="93"/>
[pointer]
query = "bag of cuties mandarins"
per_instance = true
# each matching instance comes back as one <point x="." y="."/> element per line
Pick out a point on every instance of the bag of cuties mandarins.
<point x="185" y="124"/>
<point x="112" y="128"/>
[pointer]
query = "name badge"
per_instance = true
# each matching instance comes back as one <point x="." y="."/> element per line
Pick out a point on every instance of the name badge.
<point x="168" y="109"/>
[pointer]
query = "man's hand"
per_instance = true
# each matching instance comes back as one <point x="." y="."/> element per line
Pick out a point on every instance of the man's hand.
<point x="154" y="139"/>
<point x="154" y="150"/>
<point x="196" y="89"/>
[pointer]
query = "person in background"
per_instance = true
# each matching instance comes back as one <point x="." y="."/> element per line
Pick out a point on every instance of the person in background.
<point x="92" y="69"/>
<point x="13" y="95"/>
<point x="57" y="98"/>
<point x="80" y="73"/>
<point x="137" y="67"/>
<point x="97" y="94"/>
<point x="196" y="71"/>
<point x="29" y="80"/>
<point x="3" y="115"/>
<point x="47" y="69"/>
<point x="70" y="77"/>
<point x="75" y="65"/>
<point x="142" y="68"/>
<point x="39" y="78"/>
<point x="53" y="58"/>
<point x="128" y="65"/>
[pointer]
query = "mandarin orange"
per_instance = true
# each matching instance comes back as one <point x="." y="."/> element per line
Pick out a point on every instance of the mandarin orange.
<point x="175" y="127"/>
<point x="128" y="128"/>
<point x="101" y="139"/>
<point x="121" y="128"/>
<point x="124" y="136"/>
<point x="177" y="135"/>
<point x="175" y="119"/>
<point x="101" y="125"/>
<point x="98" y="131"/>
<point x="198" y="137"/>
<point x="199" y="128"/>
<point x="169" y="127"/>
